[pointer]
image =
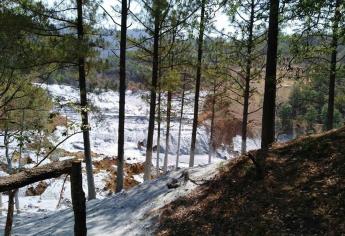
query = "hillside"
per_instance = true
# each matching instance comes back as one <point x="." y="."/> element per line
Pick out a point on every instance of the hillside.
<point x="302" y="193"/>
<point x="104" y="128"/>
<point x="127" y="213"/>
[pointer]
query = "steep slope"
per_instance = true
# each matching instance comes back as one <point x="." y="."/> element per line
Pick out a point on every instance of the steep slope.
<point x="302" y="193"/>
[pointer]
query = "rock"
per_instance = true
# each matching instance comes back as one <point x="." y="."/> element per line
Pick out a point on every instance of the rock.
<point x="78" y="146"/>
<point x="173" y="184"/>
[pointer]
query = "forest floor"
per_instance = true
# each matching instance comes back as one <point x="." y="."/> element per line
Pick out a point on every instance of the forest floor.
<point x="302" y="193"/>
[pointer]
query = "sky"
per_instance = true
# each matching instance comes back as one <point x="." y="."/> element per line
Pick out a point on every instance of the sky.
<point x="220" y="22"/>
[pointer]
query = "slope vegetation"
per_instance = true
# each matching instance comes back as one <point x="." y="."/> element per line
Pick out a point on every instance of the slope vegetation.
<point x="302" y="193"/>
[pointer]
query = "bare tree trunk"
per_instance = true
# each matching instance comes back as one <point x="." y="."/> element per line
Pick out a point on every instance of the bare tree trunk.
<point x="10" y="209"/>
<point x="78" y="200"/>
<point x="167" y="135"/>
<point x="84" y="105"/>
<point x="122" y="93"/>
<point x="333" y="65"/>
<point x="158" y="132"/>
<point x="245" y="118"/>
<point x="16" y="200"/>
<point x="198" y="81"/>
<point x="16" y="196"/>
<point x="155" y="59"/>
<point x="180" y="127"/>
<point x="268" y="117"/>
<point x="9" y="162"/>
<point x="159" y="114"/>
<point x="211" y="144"/>
<point x="247" y="78"/>
<point x="6" y="143"/>
<point x="1" y="205"/>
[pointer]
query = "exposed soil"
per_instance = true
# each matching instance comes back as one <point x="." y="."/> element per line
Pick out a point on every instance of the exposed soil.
<point x="226" y="127"/>
<point x="38" y="190"/>
<point x="302" y="193"/>
<point x="79" y="155"/>
<point x="55" y="120"/>
<point x="109" y="165"/>
<point x="227" y="122"/>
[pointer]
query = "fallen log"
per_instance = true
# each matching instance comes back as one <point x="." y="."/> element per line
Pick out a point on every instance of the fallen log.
<point x="30" y="176"/>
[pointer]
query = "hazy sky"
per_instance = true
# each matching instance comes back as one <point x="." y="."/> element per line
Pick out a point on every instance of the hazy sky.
<point x="221" y="20"/>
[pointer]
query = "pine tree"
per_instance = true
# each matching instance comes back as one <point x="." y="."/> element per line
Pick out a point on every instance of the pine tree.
<point x="84" y="104"/>
<point x="157" y="14"/>
<point x="198" y="80"/>
<point x="333" y="64"/>
<point x="122" y="93"/>
<point x="268" y="116"/>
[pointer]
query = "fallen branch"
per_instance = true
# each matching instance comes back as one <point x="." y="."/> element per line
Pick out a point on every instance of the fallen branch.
<point x="56" y="146"/>
<point x="61" y="192"/>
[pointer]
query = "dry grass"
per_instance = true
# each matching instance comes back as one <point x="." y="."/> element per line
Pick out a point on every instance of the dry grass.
<point x="302" y="193"/>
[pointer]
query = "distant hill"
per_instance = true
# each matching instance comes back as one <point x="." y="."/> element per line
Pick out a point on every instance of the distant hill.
<point x="107" y="45"/>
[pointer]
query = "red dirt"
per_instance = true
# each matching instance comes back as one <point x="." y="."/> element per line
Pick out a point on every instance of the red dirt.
<point x="109" y="165"/>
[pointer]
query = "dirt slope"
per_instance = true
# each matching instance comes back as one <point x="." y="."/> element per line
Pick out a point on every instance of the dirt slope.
<point x="302" y="193"/>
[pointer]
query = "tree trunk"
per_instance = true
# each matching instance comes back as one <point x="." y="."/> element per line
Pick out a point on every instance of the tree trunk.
<point x="155" y="58"/>
<point x="211" y="144"/>
<point x="247" y="78"/>
<point x="158" y="132"/>
<point x="84" y="105"/>
<point x="16" y="201"/>
<point x="6" y="143"/>
<point x="198" y="81"/>
<point x="167" y="135"/>
<point x="180" y="127"/>
<point x="1" y="204"/>
<point x="10" y="209"/>
<point x="333" y="66"/>
<point x="122" y="93"/>
<point x="245" y="118"/>
<point x="159" y="115"/>
<point x="78" y="200"/>
<point x="9" y="162"/>
<point x="268" y="116"/>
<point x="21" y="144"/>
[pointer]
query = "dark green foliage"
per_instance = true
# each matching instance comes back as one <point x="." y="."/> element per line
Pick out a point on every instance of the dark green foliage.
<point x="308" y="103"/>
